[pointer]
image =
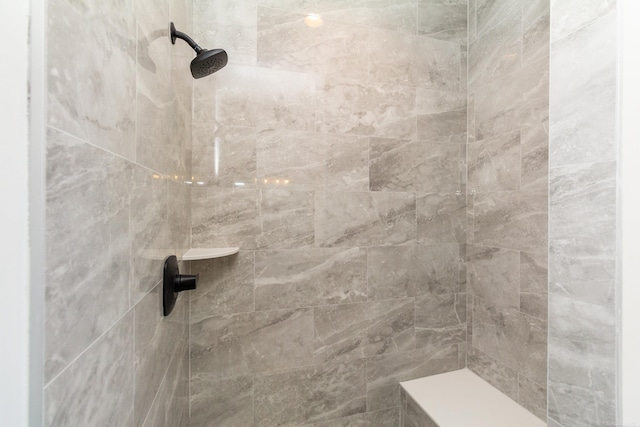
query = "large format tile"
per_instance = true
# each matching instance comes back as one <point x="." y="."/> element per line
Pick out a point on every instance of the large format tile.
<point x="224" y="156"/>
<point x="496" y="53"/>
<point x="397" y="165"/>
<point x="446" y="126"/>
<point x="309" y="277"/>
<point x="374" y="109"/>
<point x="533" y="397"/>
<point x="149" y="230"/>
<point x="250" y="219"/>
<point x="514" y="219"/>
<point x="221" y="402"/>
<point x="441" y="218"/>
<point x="513" y="102"/>
<point x="570" y="15"/>
<point x="97" y="389"/>
<point x="384" y="373"/>
<point x="512" y="338"/>
<point x="246" y="343"/>
<point x="494" y="274"/>
<point x="414" y="60"/>
<point x="265" y="98"/>
<point x="441" y="320"/>
<point x="494" y="163"/>
<point x="227" y="24"/>
<point x="157" y="338"/>
<point x="224" y="217"/>
<point x="495" y="373"/>
<point x="349" y="219"/>
<point x="347" y="163"/>
<point x="78" y="77"/>
<point x="405" y="271"/>
<point x="335" y="48"/>
<point x="584" y="94"/>
<point x="350" y="331"/>
<point x="443" y="19"/>
<point x="87" y="236"/>
<point x="295" y="159"/>
<point x="397" y="15"/>
<point x="310" y="394"/>
<point x="382" y="418"/>
<point x="225" y="286"/>
<point x="582" y="217"/>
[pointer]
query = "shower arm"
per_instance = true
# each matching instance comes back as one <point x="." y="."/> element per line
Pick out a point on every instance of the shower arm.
<point x="175" y="34"/>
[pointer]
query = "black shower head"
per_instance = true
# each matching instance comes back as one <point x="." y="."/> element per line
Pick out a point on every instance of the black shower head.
<point x="206" y="61"/>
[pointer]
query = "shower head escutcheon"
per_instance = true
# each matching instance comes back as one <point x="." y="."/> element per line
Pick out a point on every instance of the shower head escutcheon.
<point x="206" y="61"/>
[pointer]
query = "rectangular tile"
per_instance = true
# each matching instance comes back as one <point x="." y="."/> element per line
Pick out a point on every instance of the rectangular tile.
<point x="297" y="160"/>
<point x="494" y="163"/>
<point x="584" y="94"/>
<point x="157" y="338"/>
<point x="227" y="23"/>
<point x="493" y="372"/>
<point x="570" y="15"/>
<point x="350" y="219"/>
<point x="515" y="219"/>
<point x="310" y="394"/>
<point x="513" y="102"/>
<point x="350" y="331"/>
<point x="347" y="163"/>
<point x="384" y="373"/>
<point x="224" y="156"/>
<point x="334" y="48"/>
<point x="397" y="165"/>
<point x="582" y="212"/>
<point x="383" y="110"/>
<point x="512" y="338"/>
<point x="97" y="389"/>
<point x="397" y="15"/>
<point x="497" y="52"/>
<point x="441" y="218"/>
<point x="77" y="76"/>
<point x="494" y="275"/>
<point x="444" y="127"/>
<point x="383" y="418"/>
<point x="226" y="286"/>
<point x="443" y="19"/>
<point x="266" y="98"/>
<point x="87" y="216"/>
<point x="441" y="320"/>
<point x="533" y="397"/>
<point x="224" y="402"/>
<point x="405" y="271"/>
<point x="308" y="277"/>
<point x="246" y="343"/>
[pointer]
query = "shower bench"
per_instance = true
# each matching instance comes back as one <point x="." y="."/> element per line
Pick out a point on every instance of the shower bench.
<point x="460" y="399"/>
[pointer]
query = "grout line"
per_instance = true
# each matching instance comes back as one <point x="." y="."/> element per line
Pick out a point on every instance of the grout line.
<point x="90" y="346"/>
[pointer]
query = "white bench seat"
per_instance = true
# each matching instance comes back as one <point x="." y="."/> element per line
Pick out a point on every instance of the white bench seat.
<point x="461" y="399"/>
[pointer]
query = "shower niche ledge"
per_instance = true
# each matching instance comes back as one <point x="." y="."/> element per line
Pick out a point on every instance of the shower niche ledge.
<point x="196" y="254"/>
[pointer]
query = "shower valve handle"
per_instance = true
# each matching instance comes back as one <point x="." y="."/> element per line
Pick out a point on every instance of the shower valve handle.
<point x="186" y="282"/>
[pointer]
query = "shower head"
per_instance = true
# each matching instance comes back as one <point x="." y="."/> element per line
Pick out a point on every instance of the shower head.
<point x="206" y="61"/>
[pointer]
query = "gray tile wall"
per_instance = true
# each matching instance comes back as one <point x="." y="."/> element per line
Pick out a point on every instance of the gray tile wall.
<point x="507" y="197"/>
<point x="335" y="158"/>
<point x="118" y="153"/>
<point x="582" y="214"/>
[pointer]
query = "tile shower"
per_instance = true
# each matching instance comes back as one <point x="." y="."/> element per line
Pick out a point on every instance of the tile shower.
<point x="386" y="176"/>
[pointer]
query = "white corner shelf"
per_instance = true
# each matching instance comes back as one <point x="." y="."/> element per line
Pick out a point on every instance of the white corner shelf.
<point x="196" y="254"/>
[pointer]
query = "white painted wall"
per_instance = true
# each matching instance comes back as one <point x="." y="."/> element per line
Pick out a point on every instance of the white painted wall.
<point x="630" y="213"/>
<point x="14" y="215"/>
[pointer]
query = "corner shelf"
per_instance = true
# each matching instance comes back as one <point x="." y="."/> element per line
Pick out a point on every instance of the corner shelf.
<point x="196" y="254"/>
